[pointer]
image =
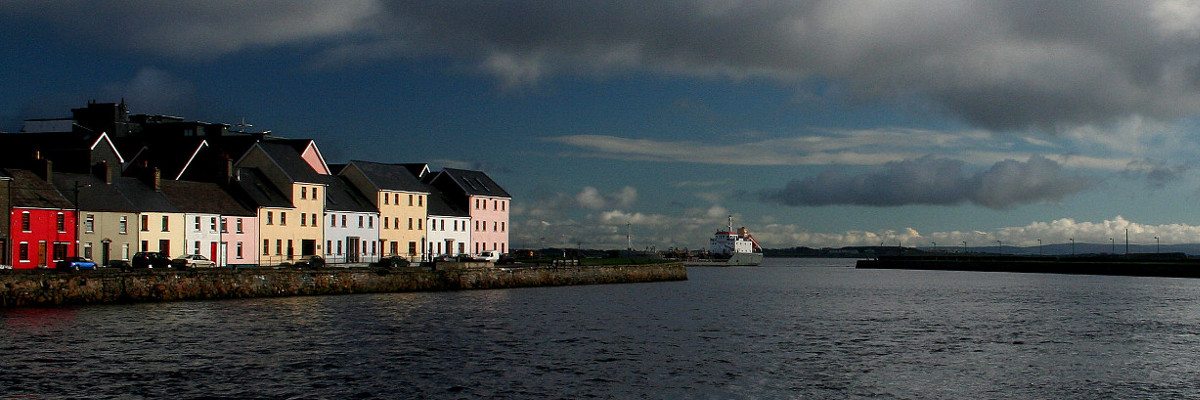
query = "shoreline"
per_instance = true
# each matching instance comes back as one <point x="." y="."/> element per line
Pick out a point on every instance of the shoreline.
<point x="40" y="288"/>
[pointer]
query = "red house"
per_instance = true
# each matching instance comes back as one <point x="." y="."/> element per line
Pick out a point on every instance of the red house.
<point x="41" y="221"/>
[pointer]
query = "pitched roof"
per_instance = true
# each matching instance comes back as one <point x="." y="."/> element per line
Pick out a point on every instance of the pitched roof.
<point x="441" y="206"/>
<point x="203" y="197"/>
<point x="289" y="160"/>
<point x="30" y="190"/>
<point x="473" y="183"/>
<point x="94" y="194"/>
<point x="257" y="189"/>
<point x="340" y="195"/>
<point x="390" y="176"/>
<point x="143" y="196"/>
<point x="71" y="151"/>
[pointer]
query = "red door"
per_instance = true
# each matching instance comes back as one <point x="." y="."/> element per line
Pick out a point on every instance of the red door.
<point x="214" y="253"/>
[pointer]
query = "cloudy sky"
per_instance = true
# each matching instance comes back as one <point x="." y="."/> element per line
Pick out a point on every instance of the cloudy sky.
<point x="813" y="123"/>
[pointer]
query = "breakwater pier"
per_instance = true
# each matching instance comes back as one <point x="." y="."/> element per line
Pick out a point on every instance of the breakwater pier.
<point x="1171" y="265"/>
<point x="55" y="288"/>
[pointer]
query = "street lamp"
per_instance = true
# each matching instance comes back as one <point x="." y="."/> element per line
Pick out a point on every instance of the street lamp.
<point x="999" y="247"/>
<point x="1072" y="246"/>
<point x="1157" y="245"/>
<point x="1039" y="247"/>
<point x="1114" y="245"/>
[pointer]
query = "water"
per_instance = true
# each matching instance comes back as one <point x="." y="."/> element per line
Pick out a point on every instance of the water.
<point x="817" y="331"/>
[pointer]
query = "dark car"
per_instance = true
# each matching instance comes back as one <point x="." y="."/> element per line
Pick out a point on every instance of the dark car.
<point x="76" y="263"/>
<point x="150" y="259"/>
<point x="310" y="261"/>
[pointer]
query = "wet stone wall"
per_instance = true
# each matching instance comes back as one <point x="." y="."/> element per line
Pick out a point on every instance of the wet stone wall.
<point x="53" y="288"/>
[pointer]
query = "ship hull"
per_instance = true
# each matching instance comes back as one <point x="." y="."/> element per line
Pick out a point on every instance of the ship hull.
<point x="736" y="260"/>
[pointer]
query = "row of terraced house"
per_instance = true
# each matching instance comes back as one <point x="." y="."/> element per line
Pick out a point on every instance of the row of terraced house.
<point x="104" y="185"/>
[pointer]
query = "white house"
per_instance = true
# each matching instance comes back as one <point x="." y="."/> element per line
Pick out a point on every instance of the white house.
<point x="449" y="227"/>
<point x="351" y="224"/>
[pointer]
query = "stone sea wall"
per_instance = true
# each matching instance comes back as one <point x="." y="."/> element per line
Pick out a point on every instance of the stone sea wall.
<point x="54" y="288"/>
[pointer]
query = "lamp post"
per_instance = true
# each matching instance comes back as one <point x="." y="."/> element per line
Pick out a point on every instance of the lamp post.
<point x="999" y="247"/>
<point x="964" y="246"/>
<point x="1072" y="246"/>
<point x="1157" y="245"/>
<point x="1039" y="247"/>
<point x="1114" y="245"/>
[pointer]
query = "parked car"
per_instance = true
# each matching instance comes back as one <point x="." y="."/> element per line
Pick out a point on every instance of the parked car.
<point x="192" y="261"/>
<point x="76" y="263"/>
<point x="122" y="264"/>
<point x="150" y="259"/>
<point x="489" y="256"/>
<point x="310" y="261"/>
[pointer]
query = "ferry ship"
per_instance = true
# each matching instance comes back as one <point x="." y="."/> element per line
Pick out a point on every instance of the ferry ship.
<point x="730" y="248"/>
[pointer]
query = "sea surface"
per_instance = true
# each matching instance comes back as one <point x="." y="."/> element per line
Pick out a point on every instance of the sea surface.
<point x="794" y="328"/>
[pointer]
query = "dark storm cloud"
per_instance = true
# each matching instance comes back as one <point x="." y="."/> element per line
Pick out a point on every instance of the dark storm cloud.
<point x="1156" y="173"/>
<point x="995" y="64"/>
<point x="931" y="180"/>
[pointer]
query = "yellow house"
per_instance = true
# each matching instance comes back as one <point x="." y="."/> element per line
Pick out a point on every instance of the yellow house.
<point x="402" y="200"/>
<point x="290" y="199"/>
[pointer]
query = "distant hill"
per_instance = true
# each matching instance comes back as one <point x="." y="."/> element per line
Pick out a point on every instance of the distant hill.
<point x="1049" y="249"/>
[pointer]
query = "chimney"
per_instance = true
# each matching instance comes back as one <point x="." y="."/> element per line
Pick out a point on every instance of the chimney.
<point x="153" y="178"/>
<point x="103" y="170"/>
<point x="157" y="180"/>
<point x="46" y="170"/>
<point x="228" y="170"/>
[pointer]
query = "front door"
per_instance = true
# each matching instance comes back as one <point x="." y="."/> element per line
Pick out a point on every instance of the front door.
<point x="212" y="251"/>
<point x="352" y="253"/>
<point x="104" y="249"/>
<point x="307" y="247"/>
<point x="42" y="254"/>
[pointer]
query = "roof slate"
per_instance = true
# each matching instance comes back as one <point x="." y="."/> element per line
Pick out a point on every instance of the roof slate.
<point x="203" y="197"/>
<point x="30" y="190"/>
<point x="258" y="190"/>
<point x="340" y="195"/>
<point x="290" y="161"/>
<point x="391" y="176"/>
<point x="475" y="183"/>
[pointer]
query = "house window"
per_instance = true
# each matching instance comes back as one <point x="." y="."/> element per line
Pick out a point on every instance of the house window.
<point x="385" y="222"/>
<point x="397" y="199"/>
<point x="343" y="220"/>
<point x="266" y="246"/>
<point x="501" y="226"/>
<point x="332" y="221"/>
<point x="166" y="223"/>
<point x="89" y="223"/>
<point x="60" y="250"/>
<point x="410" y="200"/>
<point x="360" y="221"/>
<point x="283" y="218"/>
<point x="502" y="206"/>
<point x="145" y="245"/>
<point x="239" y="250"/>
<point x="396" y="223"/>
<point x="87" y="250"/>
<point x="224" y="225"/>
<point x="339" y="247"/>
<point x="329" y="246"/>
<point x="314" y="219"/>
<point x="420" y="201"/>
<point x="124" y="226"/>
<point x="385" y="199"/>
<point x="373" y="244"/>
<point x="145" y="224"/>
<point x="196" y="226"/>
<point x="23" y="251"/>
<point x="270" y="218"/>
<point x="125" y="251"/>
<point x="303" y="192"/>
<point x="212" y="224"/>
<point x="371" y="221"/>
<point x="61" y="222"/>
<point x="410" y="225"/>
<point x="315" y="194"/>
<point x="278" y="247"/>
<point x="412" y="248"/>
<point x="197" y="248"/>
<point x="303" y="219"/>
<point x="239" y="225"/>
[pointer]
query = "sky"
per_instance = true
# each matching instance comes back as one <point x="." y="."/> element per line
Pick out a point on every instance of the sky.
<point x="812" y="123"/>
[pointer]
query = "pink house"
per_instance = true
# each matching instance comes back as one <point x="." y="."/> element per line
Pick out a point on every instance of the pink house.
<point x="488" y="203"/>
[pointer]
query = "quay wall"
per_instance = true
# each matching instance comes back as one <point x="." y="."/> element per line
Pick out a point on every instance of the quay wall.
<point x="55" y="288"/>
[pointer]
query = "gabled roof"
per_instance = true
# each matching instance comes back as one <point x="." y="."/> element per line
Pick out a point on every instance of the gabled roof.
<point x="257" y="189"/>
<point x="441" y="206"/>
<point x="340" y="195"/>
<point x="289" y="161"/>
<point x="172" y="157"/>
<point x="31" y="191"/>
<point x="203" y="197"/>
<point x="305" y="146"/>
<point x="390" y="176"/>
<point x="473" y="183"/>
<point x="70" y="151"/>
